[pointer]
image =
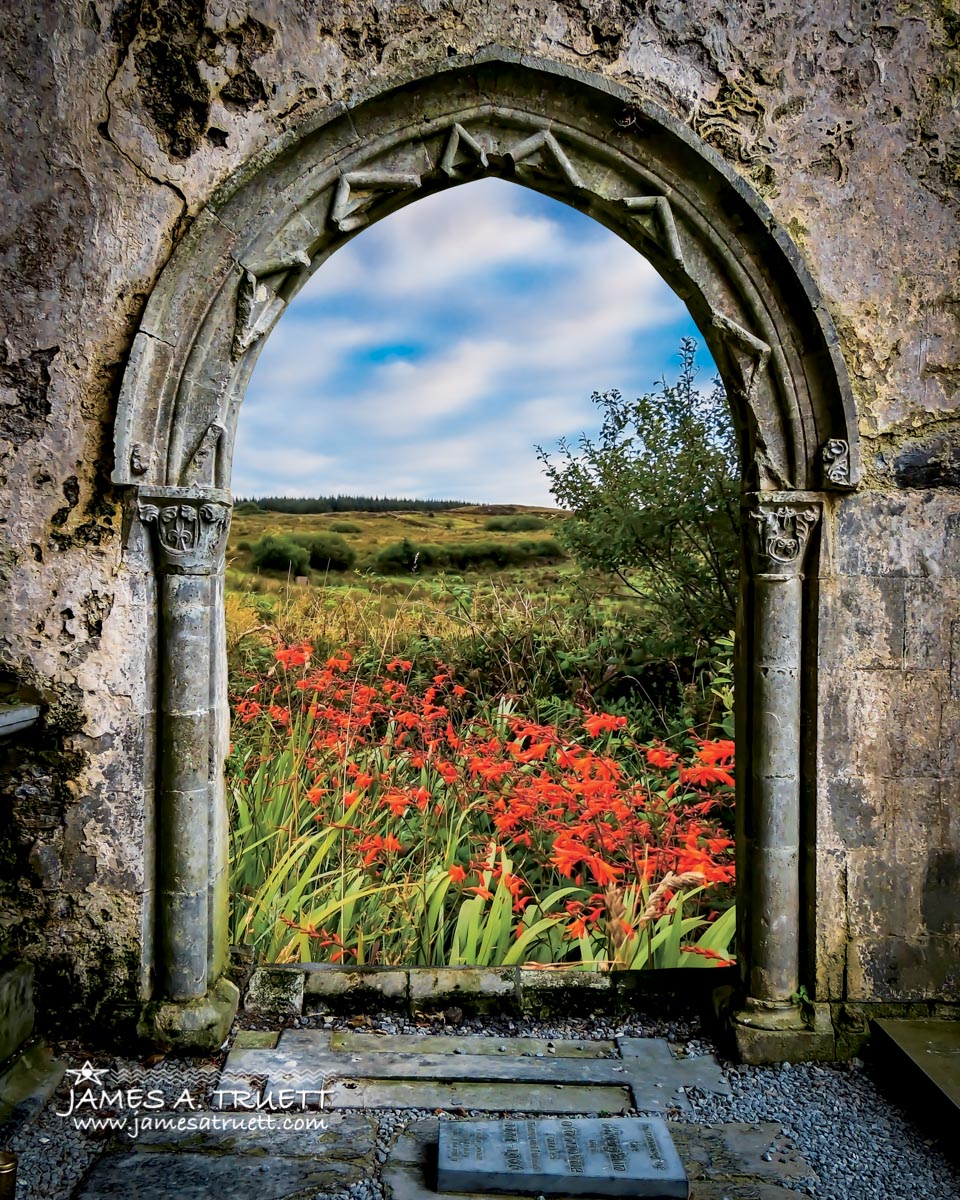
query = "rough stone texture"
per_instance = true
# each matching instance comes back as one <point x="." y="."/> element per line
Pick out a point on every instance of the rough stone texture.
<point x="268" y="1162"/>
<point x="122" y="120"/>
<point x="17" y="1011"/>
<point x="274" y="991"/>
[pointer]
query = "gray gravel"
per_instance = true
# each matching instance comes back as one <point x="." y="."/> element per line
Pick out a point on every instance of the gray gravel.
<point x="859" y="1144"/>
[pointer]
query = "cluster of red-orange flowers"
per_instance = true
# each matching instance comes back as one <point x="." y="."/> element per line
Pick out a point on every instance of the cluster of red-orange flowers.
<point x="599" y="811"/>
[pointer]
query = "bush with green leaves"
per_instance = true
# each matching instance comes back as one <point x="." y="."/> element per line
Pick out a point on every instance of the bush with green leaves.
<point x="327" y="551"/>
<point x="519" y="524"/>
<point x="279" y="552"/>
<point x="405" y="557"/>
<point x="655" y="501"/>
<point x="347" y="526"/>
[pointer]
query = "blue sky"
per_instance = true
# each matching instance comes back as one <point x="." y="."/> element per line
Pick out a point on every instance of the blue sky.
<point x="432" y="353"/>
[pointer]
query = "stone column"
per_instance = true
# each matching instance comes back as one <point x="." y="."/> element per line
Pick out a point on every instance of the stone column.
<point x="778" y="530"/>
<point x="190" y="530"/>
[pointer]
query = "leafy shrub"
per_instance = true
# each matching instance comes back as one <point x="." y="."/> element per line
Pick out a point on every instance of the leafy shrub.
<point x="278" y="552"/>
<point x="347" y="526"/>
<point x="519" y="524"/>
<point x="405" y="556"/>
<point x="327" y="551"/>
<point x="656" y="496"/>
<point x="396" y="558"/>
<point x="246" y="508"/>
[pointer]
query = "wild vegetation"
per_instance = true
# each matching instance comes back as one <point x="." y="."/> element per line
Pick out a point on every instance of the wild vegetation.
<point x="469" y="734"/>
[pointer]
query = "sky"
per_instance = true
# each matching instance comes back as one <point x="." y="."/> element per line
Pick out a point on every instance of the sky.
<point x="430" y="355"/>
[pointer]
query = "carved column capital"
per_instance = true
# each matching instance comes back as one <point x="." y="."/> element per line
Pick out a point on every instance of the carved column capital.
<point x="779" y="532"/>
<point x="190" y="527"/>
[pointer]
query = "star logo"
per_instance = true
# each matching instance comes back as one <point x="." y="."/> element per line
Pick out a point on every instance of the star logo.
<point x="88" y="1073"/>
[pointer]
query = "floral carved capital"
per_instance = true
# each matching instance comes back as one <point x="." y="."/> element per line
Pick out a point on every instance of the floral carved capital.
<point x="780" y="534"/>
<point x="190" y="531"/>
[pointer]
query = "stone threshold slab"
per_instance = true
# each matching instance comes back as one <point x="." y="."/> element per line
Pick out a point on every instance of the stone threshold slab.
<point x="468" y="1096"/>
<point x="364" y="1070"/>
<point x="930" y="1048"/>
<point x="344" y="1039"/>
<point x="251" y="1163"/>
<point x="277" y="989"/>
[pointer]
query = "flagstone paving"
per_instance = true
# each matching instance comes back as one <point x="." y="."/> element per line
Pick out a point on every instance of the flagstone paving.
<point x="321" y="1071"/>
<point x="745" y="1133"/>
<point x="480" y="1074"/>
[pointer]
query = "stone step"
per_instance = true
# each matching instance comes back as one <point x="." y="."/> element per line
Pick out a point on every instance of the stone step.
<point x="363" y="1070"/>
<point x="345" y="1039"/>
<point x="928" y="1053"/>
<point x="27" y="1083"/>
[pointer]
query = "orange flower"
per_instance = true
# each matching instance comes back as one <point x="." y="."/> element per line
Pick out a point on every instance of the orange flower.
<point x="711" y="753"/>
<point x="457" y="873"/>
<point x="397" y="802"/>
<point x="294" y="656"/>
<point x="703" y="776"/>
<point x="659" y="756"/>
<point x="603" y="723"/>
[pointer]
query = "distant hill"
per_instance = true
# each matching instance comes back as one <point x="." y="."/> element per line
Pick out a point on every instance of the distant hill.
<point x="342" y="504"/>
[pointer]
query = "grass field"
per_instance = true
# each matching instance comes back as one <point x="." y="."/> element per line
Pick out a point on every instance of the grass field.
<point x="373" y="531"/>
<point x="443" y="766"/>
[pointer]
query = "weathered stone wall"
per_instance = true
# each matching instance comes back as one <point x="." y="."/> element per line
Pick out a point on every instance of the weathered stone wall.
<point x="120" y="120"/>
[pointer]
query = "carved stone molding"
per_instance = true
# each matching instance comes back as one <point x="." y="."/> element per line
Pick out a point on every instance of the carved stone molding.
<point x="747" y="356"/>
<point x="541" y="154"/>
<point x="654" y="216"/>
<point x="780" y="532"/>
<point x="359" y="191"/>
<point x="462" y="155"/>
<point x="836" y="463"/>
<point x="658" y="190"/>
<point x="190" y="529"/>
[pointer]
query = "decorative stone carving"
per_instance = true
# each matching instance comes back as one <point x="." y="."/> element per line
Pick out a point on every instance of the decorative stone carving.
<point x="462" y="155"/>
<point x="747" y="356"/>
<point x="781" y="532"/>
<point x="359" y="191"/>
<point x="258" y="302"/>
<point x="654" y="216"/>
<point x="541" y="155"/>
<point x="191" y="532"/>
<point x="138" y="465"/>
<point x="196" y="468"/>
<point x="836" y="462"/>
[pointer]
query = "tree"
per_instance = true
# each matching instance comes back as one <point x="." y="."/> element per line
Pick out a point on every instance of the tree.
<point x="655" y="500"/>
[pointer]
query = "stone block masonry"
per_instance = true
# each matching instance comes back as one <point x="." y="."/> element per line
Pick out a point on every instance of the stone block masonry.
<point x="158" y="216"/>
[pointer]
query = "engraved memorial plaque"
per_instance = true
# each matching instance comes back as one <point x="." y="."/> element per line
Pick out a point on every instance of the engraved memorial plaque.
<point x="627" y="1156"/>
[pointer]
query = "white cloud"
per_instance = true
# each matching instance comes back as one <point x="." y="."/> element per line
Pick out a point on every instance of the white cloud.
<point x="502" y="318"/>
<point x="432" y="243"/>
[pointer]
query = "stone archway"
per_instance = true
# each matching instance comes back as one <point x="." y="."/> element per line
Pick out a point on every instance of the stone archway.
<point x="629" y="165"/>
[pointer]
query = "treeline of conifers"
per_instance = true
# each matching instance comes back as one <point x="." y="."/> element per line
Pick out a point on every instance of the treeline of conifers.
<point x="336" y="504"/>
